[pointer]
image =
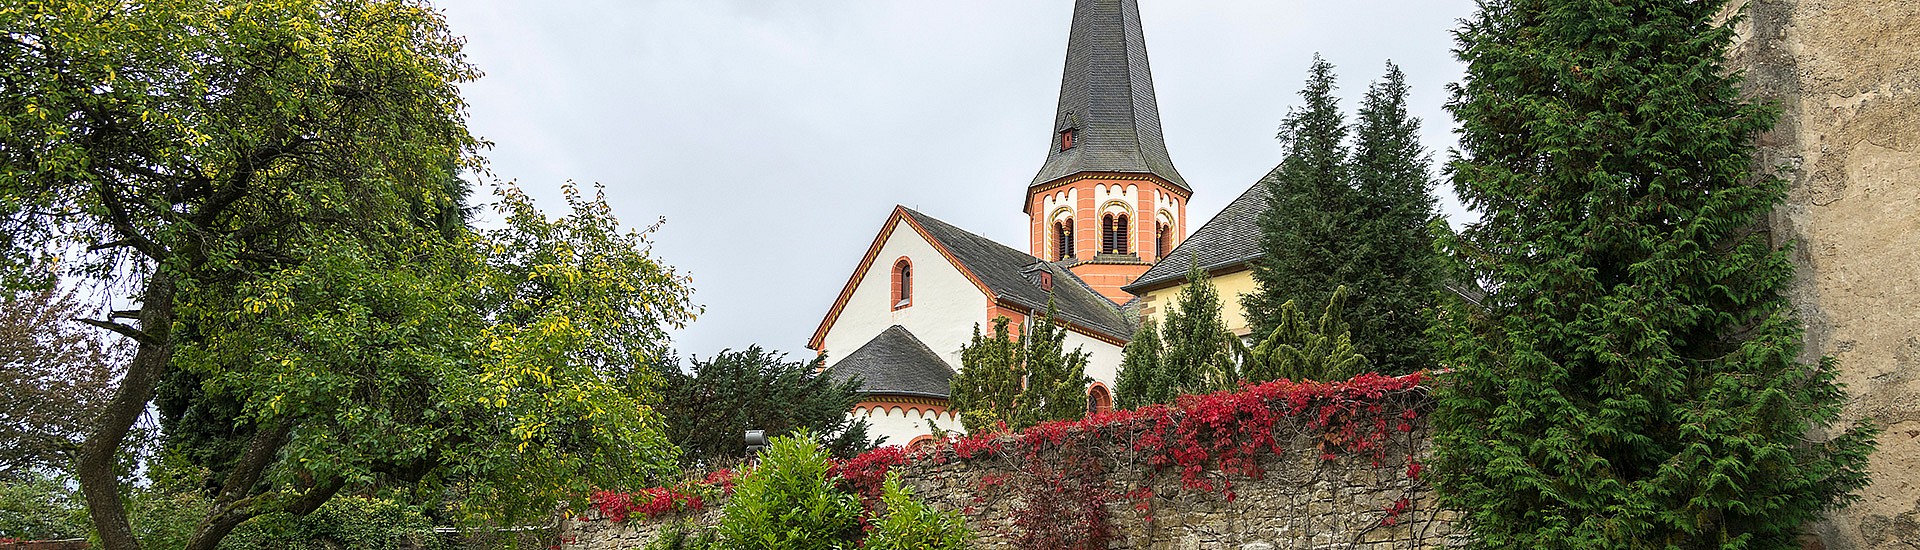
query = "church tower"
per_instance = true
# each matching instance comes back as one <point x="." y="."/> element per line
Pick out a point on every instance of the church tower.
<point x="1107" y="203"/>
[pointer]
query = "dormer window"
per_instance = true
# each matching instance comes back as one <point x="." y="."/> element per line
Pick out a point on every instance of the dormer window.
<point x="1066" y="139"/>
<point x="1046" y="280"/>
<point x="902" y="283"/>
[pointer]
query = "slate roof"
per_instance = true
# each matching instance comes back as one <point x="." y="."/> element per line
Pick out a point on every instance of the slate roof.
<point x="1106" y="95"/>
<point x="1013" y="275"/>
<point x="1231" y="237"/>
<point x="896" y="363"/>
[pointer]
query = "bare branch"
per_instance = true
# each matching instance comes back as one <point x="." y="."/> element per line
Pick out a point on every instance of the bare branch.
<point x="124" y="330"/>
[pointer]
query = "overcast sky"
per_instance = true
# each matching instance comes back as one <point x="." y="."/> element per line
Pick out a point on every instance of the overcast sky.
<point x="775" y="136"/>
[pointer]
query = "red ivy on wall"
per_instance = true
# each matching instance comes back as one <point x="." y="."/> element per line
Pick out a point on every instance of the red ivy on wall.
<point x="1225" y="432"/>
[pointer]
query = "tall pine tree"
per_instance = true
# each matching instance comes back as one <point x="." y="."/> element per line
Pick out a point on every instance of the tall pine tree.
<point x="1305" y="229"/>
<point x="1397" y="272"/>
<point x="1631" y="381"/>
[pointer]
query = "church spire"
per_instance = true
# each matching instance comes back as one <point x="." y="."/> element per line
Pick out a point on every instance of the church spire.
<point x="1108" y="120"/>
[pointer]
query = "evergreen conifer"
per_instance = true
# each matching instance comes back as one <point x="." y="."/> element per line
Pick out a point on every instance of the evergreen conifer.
<point x="1019" y="382"/>
<point x="1631" y="379"/>
<point x="1397" y="271"/>
<point x="1295" y="350"/>
<point x="1304" y="231"/>
<point x="1198" y="352"/>
<point x="1139" y="367"/>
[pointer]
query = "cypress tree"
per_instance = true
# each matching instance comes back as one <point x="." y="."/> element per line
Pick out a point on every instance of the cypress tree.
<point x="1021" y="381"/>
<point x="1397" y="276"/>
<point x="1305" y="228"/>
<point x="986" y="391"/>
<point x="1297" y="351"/>
<point x="1631" y="380"/>
<point x="1056" y="378"/>
<point x="1198" y="357"/>
<point x="1139" y="367"/>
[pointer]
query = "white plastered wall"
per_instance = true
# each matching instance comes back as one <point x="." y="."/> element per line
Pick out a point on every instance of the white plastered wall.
<point x="1103" y="359"/>
<point x="946" y="305"/>
<point x="900" y="423"/>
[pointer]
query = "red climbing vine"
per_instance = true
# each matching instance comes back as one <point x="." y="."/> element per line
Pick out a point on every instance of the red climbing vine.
<point x="1208" y="440"/>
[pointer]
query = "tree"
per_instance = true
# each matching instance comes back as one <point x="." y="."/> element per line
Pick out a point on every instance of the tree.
<point x="1013" y="384"/>
<point x="708" y="407"/>
<point x="1631" y="380"/>
<point x="57" y="373"/>
<point x="1139" y="366"/>
<point x="493" y="370"/>
<point x="1194" y="352"/>
<point x="1323" y="351"/>
<point x="986" y="390"/>
<point x="183" y="143"/>
<point x="1306" y="232"/>
<point x="1398" y="270"/>
<point x="1056" y="385"/>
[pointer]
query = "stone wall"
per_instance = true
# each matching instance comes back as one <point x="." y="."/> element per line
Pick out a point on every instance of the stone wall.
<point x="1344" y="476"/>
<point x="1302" y="502"/>
<point x="1846" y="75"/>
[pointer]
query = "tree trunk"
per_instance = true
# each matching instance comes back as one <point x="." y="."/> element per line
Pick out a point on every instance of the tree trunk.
<point x="99" y="481"/>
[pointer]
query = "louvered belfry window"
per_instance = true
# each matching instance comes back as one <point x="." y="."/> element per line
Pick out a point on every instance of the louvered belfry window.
<point x="1062" y="240"/>
<point x="1160" y="240"/>
<point x="1113" y="234"/>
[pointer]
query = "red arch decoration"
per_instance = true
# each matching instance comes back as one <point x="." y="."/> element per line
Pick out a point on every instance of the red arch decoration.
<point x="1099" y="399"/>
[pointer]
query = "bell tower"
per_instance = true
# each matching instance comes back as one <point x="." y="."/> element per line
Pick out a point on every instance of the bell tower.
<point x="1107" y="202"/>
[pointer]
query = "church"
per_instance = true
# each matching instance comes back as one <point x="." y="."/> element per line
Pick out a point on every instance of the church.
<point x="1108" y="245"/>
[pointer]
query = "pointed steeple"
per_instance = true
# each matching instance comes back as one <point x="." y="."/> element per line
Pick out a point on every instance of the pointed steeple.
<point x="1108" y="120"/>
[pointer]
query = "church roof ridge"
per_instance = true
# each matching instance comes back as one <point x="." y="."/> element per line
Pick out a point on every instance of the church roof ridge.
<point x="1107" y="99"/>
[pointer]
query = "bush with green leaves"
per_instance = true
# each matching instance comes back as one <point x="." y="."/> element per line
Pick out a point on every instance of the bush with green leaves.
<point x="789" y="501"/>
<point x="39" y="506"/>
<point x="912" y="525"/>
<point x="344" y="522"/>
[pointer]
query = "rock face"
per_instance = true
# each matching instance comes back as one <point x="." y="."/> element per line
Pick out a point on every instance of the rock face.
<point x="1846" y="76"/>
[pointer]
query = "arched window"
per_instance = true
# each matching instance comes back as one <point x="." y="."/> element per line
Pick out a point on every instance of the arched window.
<point x="1161" y="240"/>
<point x="902" y="283"/>
<point x="1113" y="234"/>
<point x="1099" y="400"/>
<point x="1062" y="240"/>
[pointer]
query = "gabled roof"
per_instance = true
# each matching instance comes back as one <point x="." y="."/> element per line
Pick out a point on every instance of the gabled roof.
<point x="1012" y="276"/>
<point x="1005" y="275"/>
<point x="1106" y="96"/>
<point x="1228" y="240"/>
<point x="896" y="363"/>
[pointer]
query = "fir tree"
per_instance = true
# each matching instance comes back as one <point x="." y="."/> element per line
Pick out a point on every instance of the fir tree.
<point x="1295" y="350"/>
<point x="1398" y="270"/>
<point x="1304" y="230"/>
<point x="709" y="404"/>
<point x="1631" y="381"/>
<point x="1139" y="367"/>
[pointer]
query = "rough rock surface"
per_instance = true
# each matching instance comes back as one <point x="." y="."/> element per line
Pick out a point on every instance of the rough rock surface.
<point x="1846" y="76"/>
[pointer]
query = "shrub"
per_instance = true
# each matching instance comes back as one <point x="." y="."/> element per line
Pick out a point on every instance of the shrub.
<point x="790" y="502"/>
<point x="912" y="525"/>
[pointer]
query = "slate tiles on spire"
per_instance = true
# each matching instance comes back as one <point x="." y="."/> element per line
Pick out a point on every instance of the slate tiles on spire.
<point x="1107" y="100"/>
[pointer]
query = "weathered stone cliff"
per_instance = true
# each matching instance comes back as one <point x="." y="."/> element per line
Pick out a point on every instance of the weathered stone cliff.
<point x="1846" y="75"/>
